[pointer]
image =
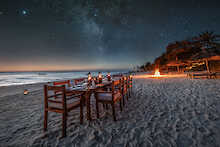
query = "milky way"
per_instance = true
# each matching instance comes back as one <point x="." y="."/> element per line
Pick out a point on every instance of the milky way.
<point x="98" y="33"/>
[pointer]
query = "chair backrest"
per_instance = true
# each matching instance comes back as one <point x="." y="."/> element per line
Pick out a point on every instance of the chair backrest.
<point x="67" y="83"/>
<point x="125" y="81"/>
<point x="79" y="81"/>
<point x="130" y="81"/>
<point x="118" y="75"/>
<point x="60" y="83"/>
<point x="116" y="85"/>
<point x="59" y="92"/>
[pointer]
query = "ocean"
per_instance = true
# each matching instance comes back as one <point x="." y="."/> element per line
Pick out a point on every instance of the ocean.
<point x="20" y="78"/>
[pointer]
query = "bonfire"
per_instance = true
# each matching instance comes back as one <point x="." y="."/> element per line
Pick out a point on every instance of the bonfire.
<point x="157" y="73"/>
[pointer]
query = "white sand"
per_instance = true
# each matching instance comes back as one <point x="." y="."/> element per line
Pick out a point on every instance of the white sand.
<point x="168" y="112"/>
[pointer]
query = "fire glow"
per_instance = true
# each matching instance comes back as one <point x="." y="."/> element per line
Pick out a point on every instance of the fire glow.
<point x="157" y="73"/>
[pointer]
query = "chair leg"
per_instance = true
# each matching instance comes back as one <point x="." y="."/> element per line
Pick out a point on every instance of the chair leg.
<point x="106" y="105"/>
<point x="123" y="99"/>
<point x="81" y="113"/>
<point x="84" y="100"/>
<point x="97" y="109"/>
<point x="121" y="104"/>
<point x="45" y="120"/>
<point x="64" y="125"/>
<point x="129" y="92"/>
<point x="113" y="111"/>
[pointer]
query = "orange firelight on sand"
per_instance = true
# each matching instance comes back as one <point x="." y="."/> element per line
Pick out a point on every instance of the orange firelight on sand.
<point x="157" y="75"/>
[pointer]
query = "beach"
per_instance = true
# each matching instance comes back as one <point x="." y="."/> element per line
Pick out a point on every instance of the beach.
<point x="161" y="112"/>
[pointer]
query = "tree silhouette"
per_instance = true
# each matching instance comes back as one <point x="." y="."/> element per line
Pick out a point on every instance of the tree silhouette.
<point x="205" y="45"/>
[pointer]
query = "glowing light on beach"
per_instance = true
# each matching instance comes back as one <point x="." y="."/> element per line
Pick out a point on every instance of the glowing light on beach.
<point x="157" y="73"/>
<point x="26" y="92"/>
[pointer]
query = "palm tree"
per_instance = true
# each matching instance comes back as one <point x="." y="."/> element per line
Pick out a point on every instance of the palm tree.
<point x="208" y="39"/>
<point x="208" y="43"/>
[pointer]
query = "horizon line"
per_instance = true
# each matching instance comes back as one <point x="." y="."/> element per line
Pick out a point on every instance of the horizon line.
<point x="83" y="70"/>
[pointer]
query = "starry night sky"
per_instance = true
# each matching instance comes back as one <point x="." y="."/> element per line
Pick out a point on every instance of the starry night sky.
<point x="97" y="34"/>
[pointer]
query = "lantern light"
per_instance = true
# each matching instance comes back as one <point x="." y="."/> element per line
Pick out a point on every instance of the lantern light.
<point x="89" y="79"/>
<point x="109" y="76"/>
<point x="26" y="92"/>
<point x="100" y="77"/>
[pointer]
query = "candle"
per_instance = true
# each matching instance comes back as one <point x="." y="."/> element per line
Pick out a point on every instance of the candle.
<point x="100" y="77"/>
<point x="89" y="78"/>
<point x="109" y="76"/>
<point x="26" y="92"/>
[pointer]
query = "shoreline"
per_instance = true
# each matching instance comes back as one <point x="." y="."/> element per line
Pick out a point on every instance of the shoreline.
<point x="34" y="78"/>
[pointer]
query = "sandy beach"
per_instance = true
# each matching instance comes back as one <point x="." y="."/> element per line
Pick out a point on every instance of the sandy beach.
<point x="166" y="112"/>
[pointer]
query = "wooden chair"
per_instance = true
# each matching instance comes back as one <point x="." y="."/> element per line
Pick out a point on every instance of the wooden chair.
<point x="125" y="88"/>
<point x="130" y="84"/>
<point x="61" y="103"/>
<point x="109" y="97"/>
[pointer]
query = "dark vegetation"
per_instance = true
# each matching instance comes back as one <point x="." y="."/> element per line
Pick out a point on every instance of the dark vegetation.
<point x="204" y="45"/>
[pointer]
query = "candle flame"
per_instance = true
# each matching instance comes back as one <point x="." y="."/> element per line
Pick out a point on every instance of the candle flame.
<point x="89" y="77"/>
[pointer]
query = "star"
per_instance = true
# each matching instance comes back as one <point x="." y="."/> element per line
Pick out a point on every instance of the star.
<point x="24" y="12"/>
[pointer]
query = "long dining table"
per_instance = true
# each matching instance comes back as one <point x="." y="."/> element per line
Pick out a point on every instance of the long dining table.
<point x="87" y="91"/>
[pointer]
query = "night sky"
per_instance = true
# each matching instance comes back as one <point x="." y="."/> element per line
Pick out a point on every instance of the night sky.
<point x="97" y="34"/>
